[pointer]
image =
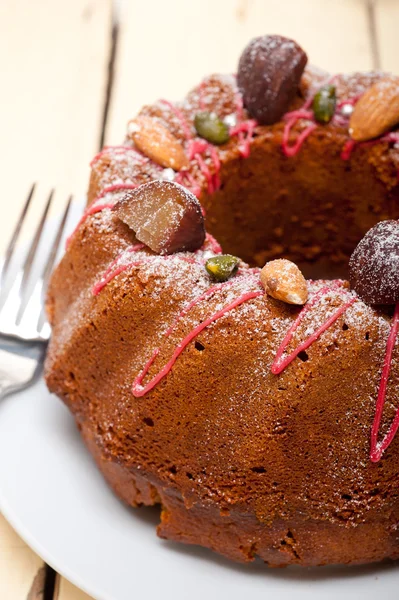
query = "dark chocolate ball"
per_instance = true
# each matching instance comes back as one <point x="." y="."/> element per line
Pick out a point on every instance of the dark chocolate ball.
<point x="374" y="265"/>
<point x="269" y="73"/>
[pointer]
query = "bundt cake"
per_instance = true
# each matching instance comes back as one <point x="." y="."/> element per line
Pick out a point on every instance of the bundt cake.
<point x="259" y="409"/>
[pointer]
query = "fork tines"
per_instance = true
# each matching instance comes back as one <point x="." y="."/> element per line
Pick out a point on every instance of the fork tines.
<point x="22" y="288"/>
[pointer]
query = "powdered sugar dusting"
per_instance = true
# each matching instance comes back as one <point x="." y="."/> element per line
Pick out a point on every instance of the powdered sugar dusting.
<point x="269" y="73"/>
<point x="166" y="280"/>
<point x="374" y="264"/>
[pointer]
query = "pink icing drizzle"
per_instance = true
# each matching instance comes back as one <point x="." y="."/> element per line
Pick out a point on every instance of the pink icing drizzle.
<point x="293" y="117"/>
<point x="117" y="150"/>
<point x="187" y="179"/>
<point x="378" y="448"/>
<point x="115" y="268"/>
<point x="391" y="137"/>
<point x="347" y="150"/>
<point x="195" y="149"/>
<point x="280" y="363"/>
<point x="206" y="172"/>
<point x="292" y="150"/>
<point x="115" y="187"/>
<point x="140" y="390"/>
<point x="244" y="142"/>
<point x="182" y="119"/>
<point x="95" y="208"/>
<point x="216" y="248"/>
<point x="243" y="126"/>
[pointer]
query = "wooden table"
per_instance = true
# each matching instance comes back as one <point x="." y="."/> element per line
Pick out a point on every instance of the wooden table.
<point x="74" y="72"/>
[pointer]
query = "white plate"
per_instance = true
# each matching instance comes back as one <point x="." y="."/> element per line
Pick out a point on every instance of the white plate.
<point x="52" y="493"/>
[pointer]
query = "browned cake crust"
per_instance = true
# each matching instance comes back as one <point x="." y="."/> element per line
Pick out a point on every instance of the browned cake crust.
<point x="242" y="461"/>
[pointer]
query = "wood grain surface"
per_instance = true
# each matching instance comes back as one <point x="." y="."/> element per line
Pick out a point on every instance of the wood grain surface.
<point x="204" y="36"/>
<point x="19" y="566"/>
<point x="67" y="591"/>
<point x="387" y="33"/>
<point x="54" y="62"/>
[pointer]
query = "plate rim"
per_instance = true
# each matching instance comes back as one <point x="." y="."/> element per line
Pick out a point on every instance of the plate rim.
<point x="89" y="583"/>
<point x="31" y="541"/>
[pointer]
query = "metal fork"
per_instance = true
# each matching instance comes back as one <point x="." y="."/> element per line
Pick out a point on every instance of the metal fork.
<point x="24" y="330"/>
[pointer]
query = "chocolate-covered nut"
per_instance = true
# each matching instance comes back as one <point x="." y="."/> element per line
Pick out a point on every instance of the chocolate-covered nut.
<point x="269" y="73"/>
<point x="374" y="265"/>
<point x="164" y="215"/>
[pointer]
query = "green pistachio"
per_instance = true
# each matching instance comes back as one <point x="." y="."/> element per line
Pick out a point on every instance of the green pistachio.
<point x="211" y="128"/>
<point x="324" y="104"/>
<point x="222" y="267"/>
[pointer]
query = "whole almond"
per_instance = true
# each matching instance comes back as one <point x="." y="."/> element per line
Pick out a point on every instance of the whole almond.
<point x="377" y="111"/>
<point x="283" y="280"/>
<point x="158" y="143"/>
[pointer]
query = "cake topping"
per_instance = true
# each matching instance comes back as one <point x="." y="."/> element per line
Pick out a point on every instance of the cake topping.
<point x="101" y="203"/>
<point x="139" y="389"/>
<point x="346" y="109"/>
<point x="283" y="280"/>
<point x="222" y="267"/>
<point x="168" y="175"/>
<point x="281" y="361"/>
<point x="377" y="448"/>
<point x="269" y="73"/>
<point x="211" y="128"/>
<point x="324" y="104"/>
<point x="374" y="264"/>
<point x="377" y="110"/>
<point x="231" y="120"/>
<point x="158" y="143"/>
<point x="164" y="215"/>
